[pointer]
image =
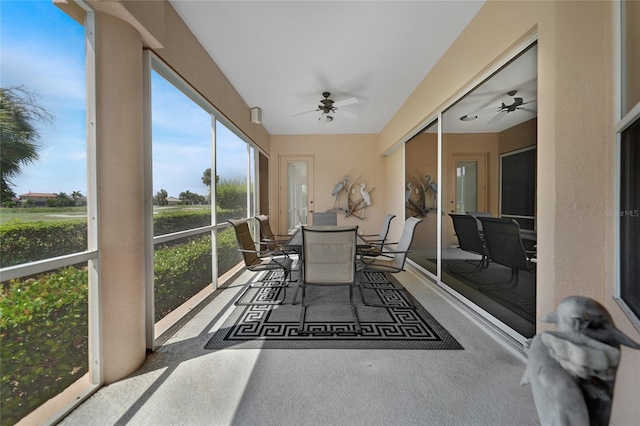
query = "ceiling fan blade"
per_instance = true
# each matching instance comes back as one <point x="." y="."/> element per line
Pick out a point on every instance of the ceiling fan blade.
<point x="497" y="117"/>
<point x="346" y="113"/>
<point x="528" y="102"/>
<point x="483" y="111"/>
<point x="345" y="102"/>
<point x="305" y="112"/>
<point x="528" y="110"/>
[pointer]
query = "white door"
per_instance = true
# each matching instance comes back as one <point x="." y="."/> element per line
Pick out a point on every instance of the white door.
<point x="296" y="192"/>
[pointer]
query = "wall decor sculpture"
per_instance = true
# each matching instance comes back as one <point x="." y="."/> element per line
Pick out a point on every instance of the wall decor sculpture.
<point x="572" y="370"/>
<point x="425" y="202"/>
<point x="357" y="207"/>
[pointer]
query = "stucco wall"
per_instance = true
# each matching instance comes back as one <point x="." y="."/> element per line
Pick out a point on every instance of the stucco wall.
<point x="335" y="156"/>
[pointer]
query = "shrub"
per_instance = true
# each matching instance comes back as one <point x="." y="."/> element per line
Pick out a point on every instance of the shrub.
<point x="231" y="193"/>
<point x="43" y="327"/>
<point x="167" y="223"/>
<point x="43" y="320"/>
<point x="180" y="271"/>
<point x="31" y="241"/>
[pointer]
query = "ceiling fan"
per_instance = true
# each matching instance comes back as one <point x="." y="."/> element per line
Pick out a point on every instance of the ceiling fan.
<point x="329" y="107"/>
<point x="502" y="110"/>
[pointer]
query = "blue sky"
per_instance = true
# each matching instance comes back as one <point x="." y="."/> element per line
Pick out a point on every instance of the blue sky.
<point x="43" y="49"/>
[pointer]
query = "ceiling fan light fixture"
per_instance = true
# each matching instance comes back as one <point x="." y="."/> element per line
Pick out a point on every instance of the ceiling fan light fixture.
<point x="468" y="117"/>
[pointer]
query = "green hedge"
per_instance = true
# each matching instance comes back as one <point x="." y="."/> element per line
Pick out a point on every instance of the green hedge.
<point x="31" y="241"/>
<point x="43" y="327"/>
<point x="180" y="271"/>
<point x="167" y="223"/>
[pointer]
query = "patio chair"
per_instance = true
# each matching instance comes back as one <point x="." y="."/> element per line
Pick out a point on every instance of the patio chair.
<point x="505" y="245"/>
<point x="324" y="218"/>
<point x="469" y="239"/>
<point x="267" y="238"/>
<point x="377" y="243"/>
<point x="328" y="260"/>
<point x="262" y="261"/>
<point x="392" y="262"/>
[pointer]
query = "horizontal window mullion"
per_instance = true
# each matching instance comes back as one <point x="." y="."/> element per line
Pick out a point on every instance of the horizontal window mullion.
<point x="188" y="233"/>
<point x="39" y="266"/>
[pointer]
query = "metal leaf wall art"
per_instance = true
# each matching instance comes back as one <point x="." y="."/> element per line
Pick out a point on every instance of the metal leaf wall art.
<point x="427" y="199"/>
<point x="356" y="206"/>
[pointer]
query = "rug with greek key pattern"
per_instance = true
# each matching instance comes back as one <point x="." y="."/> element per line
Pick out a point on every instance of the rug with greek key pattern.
<point x="329" y="320"/>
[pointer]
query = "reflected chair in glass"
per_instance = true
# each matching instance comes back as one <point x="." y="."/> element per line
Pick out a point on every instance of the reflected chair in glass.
<point x="256" y="260"/>
<point x="505" y="246"/>
<point x="392" y="262"/>
<point x="469" y="239"/>
<point x="328" y="260"/>
<point x="478" y="215"/>
<point x="377" y="243"/>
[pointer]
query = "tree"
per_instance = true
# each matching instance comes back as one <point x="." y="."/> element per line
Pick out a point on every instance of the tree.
<point x="19" y="113"/>
<point x="61" y="200"/>
<point x="76" y="195"/>
<point x="189" y="198"/>
<point x="206" y="179"/>
<point x="161" y="198"/>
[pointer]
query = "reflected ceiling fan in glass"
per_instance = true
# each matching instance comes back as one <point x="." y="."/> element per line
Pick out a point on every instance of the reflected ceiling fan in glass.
<point x="328" y="108"/>
<point x="502" y="110"/>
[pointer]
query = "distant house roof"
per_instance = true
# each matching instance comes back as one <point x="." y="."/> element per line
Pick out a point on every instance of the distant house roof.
<point x="173" y="200"/>
<point x="39" y="195"/>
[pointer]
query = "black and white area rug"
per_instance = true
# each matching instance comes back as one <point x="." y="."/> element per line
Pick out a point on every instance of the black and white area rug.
<point x="330" y="319"/>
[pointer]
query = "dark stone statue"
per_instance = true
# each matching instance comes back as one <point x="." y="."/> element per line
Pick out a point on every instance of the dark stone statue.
<point x="572" y="370"/>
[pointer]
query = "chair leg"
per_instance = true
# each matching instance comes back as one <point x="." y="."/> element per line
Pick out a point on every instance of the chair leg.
<point x="303" y="310"/>
<point x="362" y="286"/>
<point x="295" y="294"/>
<point x="281" y="285"/>
<point x="303" y="313"/>
<point x="354" y="311"/>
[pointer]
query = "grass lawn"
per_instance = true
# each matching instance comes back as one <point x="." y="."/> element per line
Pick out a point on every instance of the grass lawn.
<point x="53" y="214"/>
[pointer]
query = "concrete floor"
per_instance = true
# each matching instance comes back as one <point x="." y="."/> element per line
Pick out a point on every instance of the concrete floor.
<point x="183" y="384"/>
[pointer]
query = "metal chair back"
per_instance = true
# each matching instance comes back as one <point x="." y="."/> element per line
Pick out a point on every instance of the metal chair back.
<point x="245" y="241"/>
<point x="329" y="255"/>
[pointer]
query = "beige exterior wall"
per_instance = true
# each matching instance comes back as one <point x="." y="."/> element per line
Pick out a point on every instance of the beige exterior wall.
<point x="575" y="146"/>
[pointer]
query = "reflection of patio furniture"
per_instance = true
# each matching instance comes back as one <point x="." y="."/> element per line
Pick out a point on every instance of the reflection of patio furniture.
<point x="477" y="215"/>
<point x="378" y="243"/>
<point x="469" y="239"/>
<point x="505" y="245"/>
<point x="328" y="259"/>
<point x="392" y="262"/>
<point x="261" y="261"/>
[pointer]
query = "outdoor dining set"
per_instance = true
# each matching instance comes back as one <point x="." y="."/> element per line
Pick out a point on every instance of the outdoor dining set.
<point x="320" y="256"/>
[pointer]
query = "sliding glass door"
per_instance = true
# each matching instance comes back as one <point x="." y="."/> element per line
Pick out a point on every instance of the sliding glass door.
<point x="479" y="161"/>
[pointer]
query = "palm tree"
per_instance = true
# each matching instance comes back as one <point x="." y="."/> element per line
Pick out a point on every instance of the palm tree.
<point x="19" y="112"/>
<point x="76" y="195"/>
